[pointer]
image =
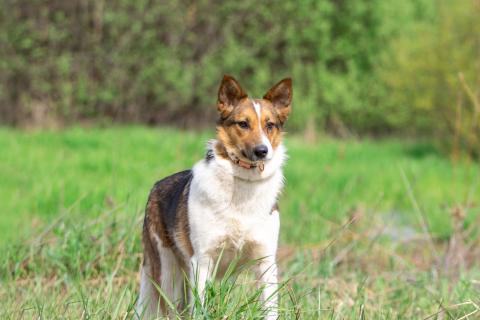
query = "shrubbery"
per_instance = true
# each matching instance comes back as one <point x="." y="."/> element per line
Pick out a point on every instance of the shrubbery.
<point x="361" y="66"/>
<point x="153" y="61"/>
<point x="432" y="77"/>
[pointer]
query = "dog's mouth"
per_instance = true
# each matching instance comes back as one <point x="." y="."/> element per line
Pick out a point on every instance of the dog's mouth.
<point x="246" y="162"/>
<point x="249" y="156"/>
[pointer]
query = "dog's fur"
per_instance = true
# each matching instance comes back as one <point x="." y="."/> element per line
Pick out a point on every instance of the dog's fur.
<point x="224" y="208"/>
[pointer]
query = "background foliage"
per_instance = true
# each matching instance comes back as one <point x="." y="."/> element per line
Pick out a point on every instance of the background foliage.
<point x="433" y="77"/>
<point x="359" y="66"/>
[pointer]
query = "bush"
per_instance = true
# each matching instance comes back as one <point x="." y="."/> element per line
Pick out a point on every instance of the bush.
<point x="432" y="78"/>
<point x="161" y="62"/>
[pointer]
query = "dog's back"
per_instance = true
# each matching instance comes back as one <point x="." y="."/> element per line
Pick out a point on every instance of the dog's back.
<point x="166" y="203"/>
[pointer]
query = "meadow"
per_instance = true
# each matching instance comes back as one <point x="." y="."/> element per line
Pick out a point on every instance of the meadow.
<point x="371" y="229"/>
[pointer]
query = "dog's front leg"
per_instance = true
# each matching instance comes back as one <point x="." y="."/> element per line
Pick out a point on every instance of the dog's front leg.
<point x="200" y="273"/>
<point x="267" y="277"/>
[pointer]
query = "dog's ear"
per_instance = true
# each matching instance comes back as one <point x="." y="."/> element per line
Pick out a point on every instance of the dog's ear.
<point x="229" y="95"/>
<point x="280" y="95"/>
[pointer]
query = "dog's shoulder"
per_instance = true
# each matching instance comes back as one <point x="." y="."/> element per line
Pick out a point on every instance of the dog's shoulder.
<point x="173" y="182"/>
<point x="168" y="194"/>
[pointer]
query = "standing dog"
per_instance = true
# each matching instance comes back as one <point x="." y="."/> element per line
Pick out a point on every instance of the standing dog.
<point x="222" y="209"/>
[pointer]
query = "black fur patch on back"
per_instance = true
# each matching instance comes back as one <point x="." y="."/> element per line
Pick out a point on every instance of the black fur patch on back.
<point x="170" y="192"/>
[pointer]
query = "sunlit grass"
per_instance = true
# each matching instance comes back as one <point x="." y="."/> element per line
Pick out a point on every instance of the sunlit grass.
<point x="367" y="227"/>
<point x="85" y="171"/>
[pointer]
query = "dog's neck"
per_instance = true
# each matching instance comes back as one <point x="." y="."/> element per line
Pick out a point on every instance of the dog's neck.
<point x="217" y="153"/>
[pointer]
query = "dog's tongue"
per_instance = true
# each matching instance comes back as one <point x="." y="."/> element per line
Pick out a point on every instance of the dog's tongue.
<point x="247" y="165"/>
<point x="244" y="164"/>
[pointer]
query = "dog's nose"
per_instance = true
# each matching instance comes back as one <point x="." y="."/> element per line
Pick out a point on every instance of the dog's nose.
<point x="261" y="151"/>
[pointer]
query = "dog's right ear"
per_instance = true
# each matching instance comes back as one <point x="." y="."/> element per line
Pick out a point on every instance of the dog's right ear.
<point x="229" y="95"/>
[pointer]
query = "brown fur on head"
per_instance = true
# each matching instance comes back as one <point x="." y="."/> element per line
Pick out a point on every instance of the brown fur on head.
<point x="239" y="129"/>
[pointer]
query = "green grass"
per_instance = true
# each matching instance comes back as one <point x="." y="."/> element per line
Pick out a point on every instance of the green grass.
<point x="367" y="226"/>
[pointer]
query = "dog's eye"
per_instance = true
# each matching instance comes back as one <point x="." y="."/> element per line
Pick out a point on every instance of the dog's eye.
<point x="243" y="124"/>
<point x="270" y="126"/>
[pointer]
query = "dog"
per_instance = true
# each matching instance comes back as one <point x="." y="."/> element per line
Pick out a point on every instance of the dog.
<point x="224" y="208"/>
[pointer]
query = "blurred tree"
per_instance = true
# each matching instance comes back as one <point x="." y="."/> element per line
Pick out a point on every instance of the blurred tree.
<point x="432" y="77"/>
<point x="161" y="61"/>
<point x="363" y="66"/>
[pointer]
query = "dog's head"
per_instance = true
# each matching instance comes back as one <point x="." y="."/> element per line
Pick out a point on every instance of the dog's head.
<point x="251" y="129"/>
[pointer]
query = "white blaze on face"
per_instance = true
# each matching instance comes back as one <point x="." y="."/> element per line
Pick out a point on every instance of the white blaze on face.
<point x="265" y="141"/>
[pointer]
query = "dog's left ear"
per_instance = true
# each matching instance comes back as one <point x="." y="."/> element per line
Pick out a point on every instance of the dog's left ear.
<point x="280" y="95"/>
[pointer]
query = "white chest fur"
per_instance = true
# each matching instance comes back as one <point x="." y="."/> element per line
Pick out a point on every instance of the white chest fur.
<point x="230" y="208"/>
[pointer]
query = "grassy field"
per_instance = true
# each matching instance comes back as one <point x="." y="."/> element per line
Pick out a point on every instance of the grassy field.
<point x="370" y="229"/>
